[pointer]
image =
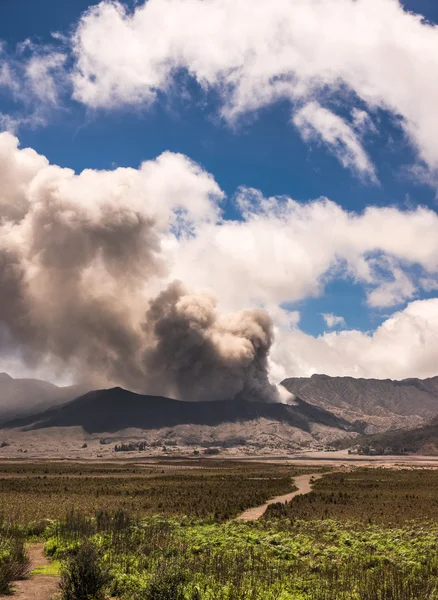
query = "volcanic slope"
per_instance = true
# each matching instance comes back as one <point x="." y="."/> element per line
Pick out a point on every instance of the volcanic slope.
<point x="115" y="410"/>
<point x="380" y="403"/>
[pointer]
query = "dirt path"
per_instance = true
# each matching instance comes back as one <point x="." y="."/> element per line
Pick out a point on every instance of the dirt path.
<point x="37" y="587"/>
<point x="302" y="482"/>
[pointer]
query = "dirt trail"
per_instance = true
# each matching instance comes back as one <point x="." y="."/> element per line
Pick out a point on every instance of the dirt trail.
<point x="37" y="587"/>
<point x="302" y="482"/>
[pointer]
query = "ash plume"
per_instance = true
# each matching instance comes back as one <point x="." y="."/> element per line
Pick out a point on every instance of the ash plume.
<point x="83" y="266"/>
<point x="204" y="354"/>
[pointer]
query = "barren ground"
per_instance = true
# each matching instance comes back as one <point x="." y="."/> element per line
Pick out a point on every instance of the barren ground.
<point x="37" y="587"/>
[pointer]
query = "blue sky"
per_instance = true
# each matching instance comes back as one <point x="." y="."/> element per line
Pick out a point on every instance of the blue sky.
<point x="261" y="148"/>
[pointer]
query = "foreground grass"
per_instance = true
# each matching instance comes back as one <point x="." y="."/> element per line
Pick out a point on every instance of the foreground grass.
<point x="159" y="558"/>
<point x="371" y="534"/>
<point x="14" y="561"/>
<point x="53" y="569"/>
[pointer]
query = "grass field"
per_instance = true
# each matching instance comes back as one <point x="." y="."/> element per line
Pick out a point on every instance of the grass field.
<point x="216" y="491"/>
<point x="384" y="496"/>
<point x="184" y="559"/>
<point x="164" y="531"/>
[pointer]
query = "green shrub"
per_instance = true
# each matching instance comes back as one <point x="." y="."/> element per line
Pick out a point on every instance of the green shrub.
<point x="167" y="584"/>
<point x="14" y="560"/>
<point x="83" y="576"/>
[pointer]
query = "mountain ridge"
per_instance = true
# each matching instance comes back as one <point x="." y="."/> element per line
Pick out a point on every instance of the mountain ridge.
<point x="26" y="396"/>
<point x="115" y="409"/>
<point x="382" y="403"/>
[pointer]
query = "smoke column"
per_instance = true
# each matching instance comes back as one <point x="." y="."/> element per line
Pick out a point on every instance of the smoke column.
<point x="84" y="280"/>
<point x="204" y="354"/>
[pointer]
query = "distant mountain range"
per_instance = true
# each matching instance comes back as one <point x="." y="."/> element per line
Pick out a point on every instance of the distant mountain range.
<point x="379" y="404"/>
<point x="20" y="397"/>
<point x="323" y="410"/>
<point x="116" y="409"/>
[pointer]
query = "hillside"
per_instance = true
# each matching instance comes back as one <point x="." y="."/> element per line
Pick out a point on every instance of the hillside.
<point x="419" y="440"/>
<point x="381" y="404"/>
<point x="118" y="415"/>
<point x="116" y="409"/>
<point x="20" y="397"/>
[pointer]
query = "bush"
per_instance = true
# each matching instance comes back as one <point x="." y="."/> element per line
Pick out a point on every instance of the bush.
<point x="167" y="584"/>
<point x="83" y="577"/>
<point x="37" y="528"/>
<point x="6" y="576"/>
<point x="14" y="563"/>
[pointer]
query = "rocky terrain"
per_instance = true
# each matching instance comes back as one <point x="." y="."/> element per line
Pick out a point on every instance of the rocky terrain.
<point x="418" y="440"/>
<point x="379" y="404"/>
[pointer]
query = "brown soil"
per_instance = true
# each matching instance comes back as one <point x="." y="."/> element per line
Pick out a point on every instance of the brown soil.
<point x="302" y="482"/>
<point x="37" y="587"/>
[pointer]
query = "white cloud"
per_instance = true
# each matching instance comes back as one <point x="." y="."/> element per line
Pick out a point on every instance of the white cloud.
<point x="332" y="320"/>
<point x="429" y="285"/>
<point x="43" y="73"/>
<point x="396" y="290"/>
<point x="255" y="53"/>
<point x="281" y="252"/>
<point x="6" y="78"/>
<point x="362" y="121"/>
<point x="172" y="188"/>
<point x="284" y="251"/>
<point x="34" y="77"/>
<point x="405" y="345"/>
<point x="315" y="122"/>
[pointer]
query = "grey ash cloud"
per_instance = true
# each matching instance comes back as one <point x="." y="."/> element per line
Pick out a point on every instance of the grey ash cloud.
<point x="83" y="266"/>
<point x="203" y="354"/>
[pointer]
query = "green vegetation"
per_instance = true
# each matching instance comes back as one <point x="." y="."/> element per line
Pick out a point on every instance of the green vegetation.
<point x="184" y="559"/>
<point x="384" y="496"/>
<point x="164" y="531"/>
<point x="52" y="569"/>
<point x="214" y="490"/>
<point x="84" y="574"/>
<point x="131" y="447"/>
<point x="14" y="562"/>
